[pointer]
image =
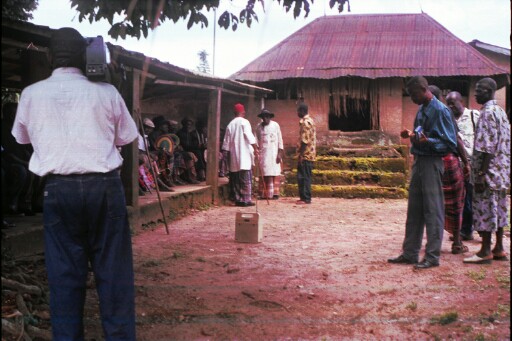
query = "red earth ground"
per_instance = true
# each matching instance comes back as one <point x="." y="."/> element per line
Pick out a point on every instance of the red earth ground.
<point x="320" y="273"/>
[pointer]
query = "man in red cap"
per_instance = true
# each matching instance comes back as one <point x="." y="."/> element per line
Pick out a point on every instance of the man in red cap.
<point x="240" y="142"/>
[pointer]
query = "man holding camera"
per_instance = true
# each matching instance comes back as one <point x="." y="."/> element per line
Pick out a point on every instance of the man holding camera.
<point x="76" y="126"/>
<point x="434" y="136"/>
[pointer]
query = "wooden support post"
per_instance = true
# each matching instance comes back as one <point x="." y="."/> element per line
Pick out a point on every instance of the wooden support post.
<point x="129" y="172"/>
<point x="212" y="162"/>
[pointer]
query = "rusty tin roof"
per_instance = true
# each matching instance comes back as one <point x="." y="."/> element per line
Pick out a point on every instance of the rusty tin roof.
<point x="370" y="46"/>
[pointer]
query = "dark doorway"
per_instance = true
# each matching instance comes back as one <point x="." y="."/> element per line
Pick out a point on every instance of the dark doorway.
<point x="354" y="115"/>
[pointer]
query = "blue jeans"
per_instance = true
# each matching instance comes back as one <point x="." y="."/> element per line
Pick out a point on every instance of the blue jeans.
<point x="304" y="175"/>
<point x="425" y="209"/>
<point x="467" y="213"/>
<point x="85" y="221"/>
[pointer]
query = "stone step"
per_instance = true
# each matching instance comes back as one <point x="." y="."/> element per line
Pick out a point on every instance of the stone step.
<point x="347" y="177"/>
<point x="349" y="192"/>
<point x="361" y="164"/>
<point x="363" y="151"/>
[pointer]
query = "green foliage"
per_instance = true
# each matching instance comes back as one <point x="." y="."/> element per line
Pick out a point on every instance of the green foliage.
<point x="140" y="16"/>
<point x="19" y="9"/>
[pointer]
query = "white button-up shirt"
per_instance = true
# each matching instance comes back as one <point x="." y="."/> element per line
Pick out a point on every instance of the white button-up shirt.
<point x="238" y="141"/>
<point x="466" y="130"/>
<point x="270" y="140"/>
<point x="73" y="124"/>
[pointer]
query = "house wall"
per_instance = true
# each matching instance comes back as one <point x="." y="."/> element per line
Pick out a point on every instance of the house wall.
<point x="391" y="107"/>
<point x="285" y="112"/>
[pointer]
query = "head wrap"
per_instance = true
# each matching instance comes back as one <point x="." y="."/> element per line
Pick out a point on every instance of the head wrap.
<point x="239" y="108"/>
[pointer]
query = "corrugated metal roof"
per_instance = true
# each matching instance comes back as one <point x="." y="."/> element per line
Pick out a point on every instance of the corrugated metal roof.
<point x="370" y="46"/>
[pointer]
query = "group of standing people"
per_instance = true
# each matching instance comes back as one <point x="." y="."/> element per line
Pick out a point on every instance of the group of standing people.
<point x="441" y="192"/>
<point x="264" y="151"/>
<point x="76" y="147"/>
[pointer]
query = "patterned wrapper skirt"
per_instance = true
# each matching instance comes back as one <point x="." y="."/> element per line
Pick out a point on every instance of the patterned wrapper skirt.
<point x="453" y="188"/>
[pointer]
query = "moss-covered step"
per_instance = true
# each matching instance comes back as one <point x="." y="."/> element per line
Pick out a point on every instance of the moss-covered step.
<point x="361" y="163"/>
<point x="346" y="177"/>
<point x="360" y="151"/>
<point x="349" y="192"/>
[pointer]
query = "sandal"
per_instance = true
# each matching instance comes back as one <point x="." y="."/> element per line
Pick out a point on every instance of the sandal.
<point x="458" y="249"/>
<point x="500" y="256"/>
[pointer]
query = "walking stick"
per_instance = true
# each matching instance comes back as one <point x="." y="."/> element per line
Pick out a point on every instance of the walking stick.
<point x="258" y="169"/>
<point x="152" y="170"/>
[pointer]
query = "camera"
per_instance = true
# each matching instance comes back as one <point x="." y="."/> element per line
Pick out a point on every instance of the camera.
<point x="97" y="58"/>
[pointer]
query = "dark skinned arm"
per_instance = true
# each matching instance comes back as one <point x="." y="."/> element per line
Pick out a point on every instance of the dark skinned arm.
<point x="464" y="157"/>
<point x="302" y="149"/>
<point x="480" y="180"/>
<point x="279" y="155"/>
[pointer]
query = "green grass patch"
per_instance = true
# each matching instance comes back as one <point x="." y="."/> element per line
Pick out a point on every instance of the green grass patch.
<point x="446" y="318"/>
<point x="503" y="280"/>
<point x="476" y="275"/>
<point x="177" y="255"/>
<point x="151" y="263"/>
<point x="413" y="306"/>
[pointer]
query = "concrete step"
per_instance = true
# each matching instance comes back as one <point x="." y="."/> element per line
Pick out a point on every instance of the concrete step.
<point x="349" y="192"/>
<point x="361" y="163"/>
<point x="363" y="151"/>
<point x="348" y="177"/>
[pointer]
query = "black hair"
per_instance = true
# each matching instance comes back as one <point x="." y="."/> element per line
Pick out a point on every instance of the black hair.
<point x="67" y="48"/>
<point x="302" y="108"/>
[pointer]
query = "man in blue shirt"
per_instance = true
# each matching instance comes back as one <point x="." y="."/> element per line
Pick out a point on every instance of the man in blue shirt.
<point x="434" y="136"/>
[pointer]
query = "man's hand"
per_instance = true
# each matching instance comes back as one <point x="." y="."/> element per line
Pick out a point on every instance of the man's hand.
<point x="405" y="134"/>
<point x="422" y="138"/>
<point x="466" y="169"/>
<point x="480" y="184"/>
<point x="299" y="159"/>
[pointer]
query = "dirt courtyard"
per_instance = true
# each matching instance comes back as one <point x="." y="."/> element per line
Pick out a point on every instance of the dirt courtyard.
<point x="319" y="274"/>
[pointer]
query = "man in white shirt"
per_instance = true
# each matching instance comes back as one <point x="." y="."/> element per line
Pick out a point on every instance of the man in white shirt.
<point x="270" y="141"/>
<point x="466" y="122"/>
<point x="75" y="127"/>
<point x="240" y="142"/>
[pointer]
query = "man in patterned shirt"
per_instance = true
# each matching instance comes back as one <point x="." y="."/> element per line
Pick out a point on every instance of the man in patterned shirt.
<point x="466" y="120"/>
<point x="306" y="154"/>
<point x="491" y="173"/>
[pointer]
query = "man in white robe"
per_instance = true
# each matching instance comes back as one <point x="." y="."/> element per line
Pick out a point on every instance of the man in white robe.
<point x="270" y="142"/>
<point x="240" y="142"/>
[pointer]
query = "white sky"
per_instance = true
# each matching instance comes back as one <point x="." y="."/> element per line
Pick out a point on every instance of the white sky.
<point x="485" y="20"/>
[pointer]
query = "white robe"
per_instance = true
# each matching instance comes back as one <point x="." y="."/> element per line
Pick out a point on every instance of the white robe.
<point x="238" y="142"/>
<point x="270" y="140"/>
